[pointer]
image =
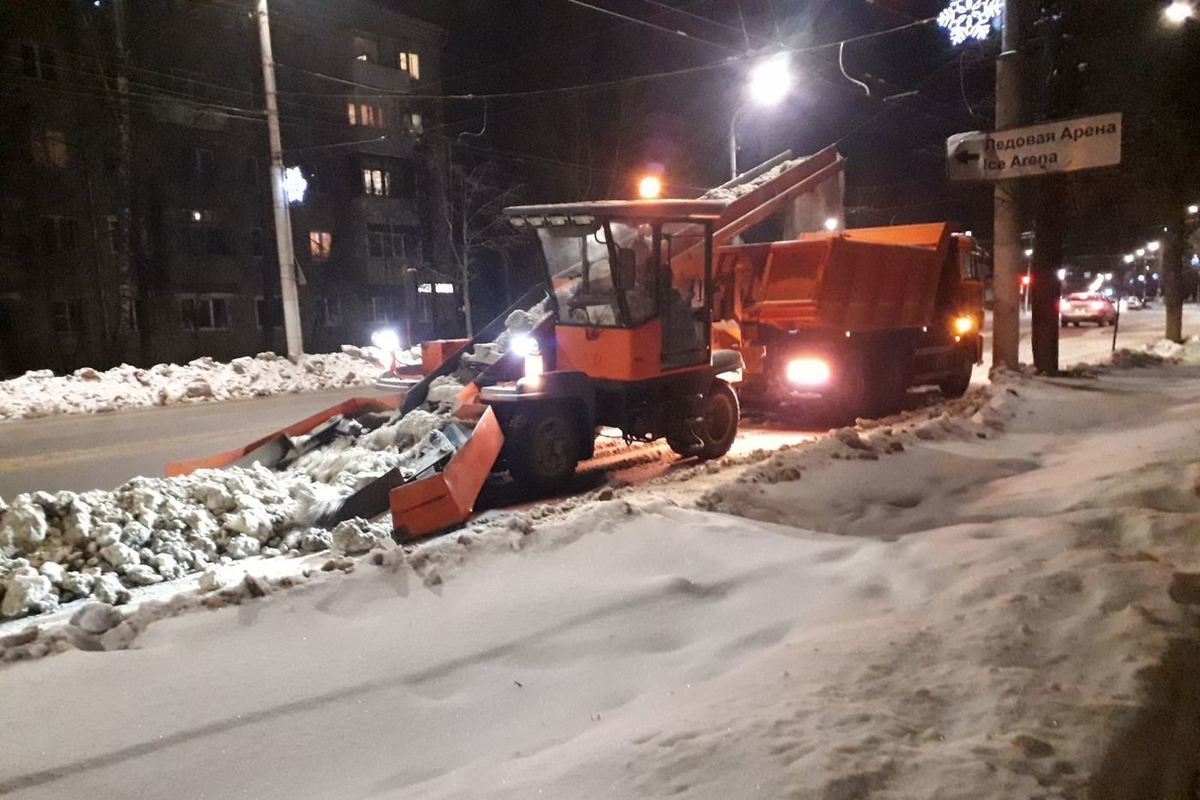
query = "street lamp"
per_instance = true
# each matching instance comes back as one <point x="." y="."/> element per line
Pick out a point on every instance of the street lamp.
<point x="1193" y="210"/>
<point x="1179" y="12"/>
<point x="1153" y="246"/>
<point x="1129" y="258"/>
<point x="770" y="82"/>
<point x="1141" y="252"/>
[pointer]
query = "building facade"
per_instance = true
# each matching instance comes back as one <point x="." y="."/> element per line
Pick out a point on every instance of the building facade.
<point x="148" y="177"/>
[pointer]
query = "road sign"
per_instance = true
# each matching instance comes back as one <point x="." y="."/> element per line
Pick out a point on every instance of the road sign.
<point x="1053" y="147"/>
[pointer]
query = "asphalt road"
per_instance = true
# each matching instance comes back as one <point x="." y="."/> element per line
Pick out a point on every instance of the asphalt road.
<point x="101" y="452"/>
<point x="80" y="452"/>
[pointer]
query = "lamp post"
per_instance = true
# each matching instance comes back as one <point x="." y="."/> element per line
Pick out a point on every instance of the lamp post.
<point x="770" y="82"/>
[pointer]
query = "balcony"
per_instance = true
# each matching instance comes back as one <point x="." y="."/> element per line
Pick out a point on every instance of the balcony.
<point x="383" y="78"/>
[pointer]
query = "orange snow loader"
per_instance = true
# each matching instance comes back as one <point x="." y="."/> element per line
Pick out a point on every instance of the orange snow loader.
<point x="853" y="319"/>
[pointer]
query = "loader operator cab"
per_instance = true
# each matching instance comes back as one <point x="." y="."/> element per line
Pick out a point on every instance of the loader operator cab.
<point x="628" y="287"/>
<point x="615" y="266"/>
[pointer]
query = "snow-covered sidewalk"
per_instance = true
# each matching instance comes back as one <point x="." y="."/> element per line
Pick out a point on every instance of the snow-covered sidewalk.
<point x="988" y="605"/>
<point x="89" y="391"/>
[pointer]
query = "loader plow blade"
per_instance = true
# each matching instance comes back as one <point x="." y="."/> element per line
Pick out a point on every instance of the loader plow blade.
<point x="447" y="498"/>
<point x="270" y="449"/>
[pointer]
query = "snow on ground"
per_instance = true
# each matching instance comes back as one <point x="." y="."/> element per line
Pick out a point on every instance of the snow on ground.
<point x="89" y="391"/>
<point x="997" y="601"/>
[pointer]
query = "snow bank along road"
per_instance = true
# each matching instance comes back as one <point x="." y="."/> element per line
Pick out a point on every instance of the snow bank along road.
<point x="992" y="602"/>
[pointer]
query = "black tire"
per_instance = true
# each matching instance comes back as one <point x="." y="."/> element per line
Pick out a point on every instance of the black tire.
<point x="547" y="451"/>
<point x="720" y="414"/>
<point x="957" y="383"/>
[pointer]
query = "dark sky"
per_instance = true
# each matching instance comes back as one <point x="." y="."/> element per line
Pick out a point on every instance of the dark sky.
<point x="593" y="143"/>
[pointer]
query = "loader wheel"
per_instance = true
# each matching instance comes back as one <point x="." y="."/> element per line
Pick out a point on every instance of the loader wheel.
<point x="547" y="452"/>
<point x="718" y="428"/>
<point x="959" y="380"/>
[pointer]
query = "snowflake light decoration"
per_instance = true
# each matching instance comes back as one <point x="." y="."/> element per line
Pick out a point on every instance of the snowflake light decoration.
<point x="970" y="19"/>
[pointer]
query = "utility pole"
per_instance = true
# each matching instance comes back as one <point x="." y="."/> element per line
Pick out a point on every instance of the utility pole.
<point x="289" y="293"/>
<point x="1006" y="319"/>
<point x="124" y="234"/>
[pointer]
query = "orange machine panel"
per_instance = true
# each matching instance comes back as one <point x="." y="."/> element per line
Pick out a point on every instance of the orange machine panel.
<point x="836" y="282"/>
<point x="435" y="353"/>
<point x="446" y="499"/>
<point x="618" y="354"/>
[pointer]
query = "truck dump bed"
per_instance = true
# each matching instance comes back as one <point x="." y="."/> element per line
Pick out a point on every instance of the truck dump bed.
<point x="853" y="282"/>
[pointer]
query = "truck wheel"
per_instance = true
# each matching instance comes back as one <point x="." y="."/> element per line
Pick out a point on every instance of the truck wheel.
<point x="959" y="380"/>
<point x="718" y="427"/>
<point x="547" y="452"/>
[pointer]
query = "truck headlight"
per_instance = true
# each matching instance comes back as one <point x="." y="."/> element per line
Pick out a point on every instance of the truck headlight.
<point x="808" y="372"/>
<point x="534" y="367"/>
<point x="964" y="325"/>
<point x="524" y="345"/>
<point x="386" y="339"/>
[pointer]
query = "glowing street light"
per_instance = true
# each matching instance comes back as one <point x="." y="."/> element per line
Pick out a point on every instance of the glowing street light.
<point x="1029" y="252"/>
<point x="295" y="185"/>
<point x="1179" y="12"/>
<point x="1141" y="252"/>
<point x="1153" y="246"/>
<point x="649" y="187"/>
<point x="770" y="83"/>
<point x="771" y="80"/>
<point x="1193" y="210"/>
<point x="1129" y="258"/>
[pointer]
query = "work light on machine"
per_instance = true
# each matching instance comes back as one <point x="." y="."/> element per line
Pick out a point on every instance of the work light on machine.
<point x="964" y="325"/>
<point x="808" y="372"/>
<point x="650" y="187"/>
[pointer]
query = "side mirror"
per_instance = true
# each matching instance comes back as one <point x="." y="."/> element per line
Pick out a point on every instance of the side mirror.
<point x="625" y="270"/>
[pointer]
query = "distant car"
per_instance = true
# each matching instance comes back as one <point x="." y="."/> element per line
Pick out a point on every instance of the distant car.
<point x="1133" y="303"/>
<point x="1081" y="307"/>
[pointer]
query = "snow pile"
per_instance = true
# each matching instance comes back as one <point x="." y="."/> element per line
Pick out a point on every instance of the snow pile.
<point x="1159" y="352"/>
<point x="88" y="391"/>
<point x="741" y="189"/>
<point x="55" y="548"/>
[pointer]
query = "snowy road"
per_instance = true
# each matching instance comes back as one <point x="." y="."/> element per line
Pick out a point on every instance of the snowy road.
<point x="81" y="452"/>
<point x="89" y="452"/>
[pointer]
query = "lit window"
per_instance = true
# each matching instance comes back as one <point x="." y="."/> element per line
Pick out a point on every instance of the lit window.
<point x="364" y="115"/>
<point x="425" y="288"/>
<point x="320" y="244"/>
<point x="410" y="63"/>
<point x="444" y="288"/>
<point x="376" y="182"/>
<point x="415" y="123"/>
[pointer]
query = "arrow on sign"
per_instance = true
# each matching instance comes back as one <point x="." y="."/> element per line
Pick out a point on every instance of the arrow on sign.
<point x="965" y="158"/>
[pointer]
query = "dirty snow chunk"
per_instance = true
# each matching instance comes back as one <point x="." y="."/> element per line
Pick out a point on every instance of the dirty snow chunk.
<point x="27" y="592"/>
<point x="78" y="584"/>
<point x="240" y="547"/>
<point x="356" y="536"/>
<point x="252" y="519"/>
<point x="120" y="555"/>
<point x="166" y="565"/>
<point x="413" y="427"/>
<point x="24" y="526"/>
<point x="96" y="618"/>
<point x="316" y="540"/>
<point x="211" y="580"/>
<point x="443" y="393"/>
<point x="142" y="575"/>
<point x="108" y="589"/>
<point x="53" y="571"/>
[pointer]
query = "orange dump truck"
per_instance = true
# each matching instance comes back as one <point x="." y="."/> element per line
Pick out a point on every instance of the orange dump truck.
<point x="852" y="319"/>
